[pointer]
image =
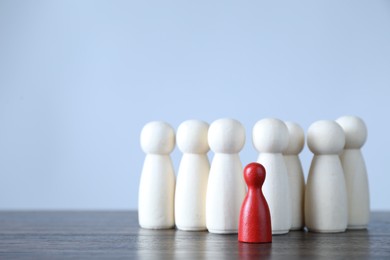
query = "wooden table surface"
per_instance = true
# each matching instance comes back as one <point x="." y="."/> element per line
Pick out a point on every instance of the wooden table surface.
<point x="111" y="235"/>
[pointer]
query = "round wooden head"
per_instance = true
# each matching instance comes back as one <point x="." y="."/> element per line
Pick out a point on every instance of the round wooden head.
<point x="254" y="175"/>
<point x="191" y="137"/>
<point x="296" y="139"/>
<point x="157" y="137"/>
<point x="270" y="135"/>
<point x="226" y="136"/>
<point x="355" y="131"/>
<point x="325" y="137"/>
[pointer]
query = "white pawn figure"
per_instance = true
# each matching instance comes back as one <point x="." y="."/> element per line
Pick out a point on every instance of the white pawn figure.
<point x="157" y="185"/>
<point x="326" y="208"/>
<point x="270" y="138"/>
<point x="296" y="142"/>
<point x="355" y="172"/>
<point x="192" y="178"/>
<point x="226" y="186"/>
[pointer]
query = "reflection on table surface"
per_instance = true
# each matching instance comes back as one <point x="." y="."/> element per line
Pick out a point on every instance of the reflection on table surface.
<point x="176" y="244"/>
<point x="109" y="234"/>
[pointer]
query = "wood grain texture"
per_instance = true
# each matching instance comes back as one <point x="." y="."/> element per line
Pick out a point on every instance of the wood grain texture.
<point x="53" y="235"/>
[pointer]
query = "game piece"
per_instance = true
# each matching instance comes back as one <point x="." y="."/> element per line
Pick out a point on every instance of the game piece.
<point x="355" y="172"/>
<point x="192" y="178"/>
<point x="326" y="208"/>
<point x="226" y="186"/>
<point x="270" y="138"/>
<point x="255" y="218"/>
<point x="157" y="185"/>
<point x="296" y="142"/>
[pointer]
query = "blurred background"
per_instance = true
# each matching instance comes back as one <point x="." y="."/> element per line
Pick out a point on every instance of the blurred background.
<point x="79" y="79"/>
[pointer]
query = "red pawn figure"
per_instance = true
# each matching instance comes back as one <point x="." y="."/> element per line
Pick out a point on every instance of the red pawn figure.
<point x="255" y="218"/>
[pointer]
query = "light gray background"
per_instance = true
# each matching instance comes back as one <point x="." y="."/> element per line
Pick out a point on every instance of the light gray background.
<point x="79" y="79"/>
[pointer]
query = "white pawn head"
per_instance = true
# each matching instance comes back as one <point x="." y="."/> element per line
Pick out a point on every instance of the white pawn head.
<point x="270" y="135"/>
<point x="157" y="138"/>
<point x="191" y="137"/>
<point x="226" y="136"/>
<point x="296" y="139"/>
<point x="325" y="137"/>
<point x="355" y="131"/>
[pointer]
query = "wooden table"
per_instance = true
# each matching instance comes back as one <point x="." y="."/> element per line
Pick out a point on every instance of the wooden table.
<point x="48" y="235"/>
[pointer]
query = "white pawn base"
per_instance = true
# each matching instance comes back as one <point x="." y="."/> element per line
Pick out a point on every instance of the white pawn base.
<point x="216" y="231"/>
<point x="357" y="227"/>
<point x="192" y="228"/>
<point x="326" y="230"/>
<point x="279" y="232"/>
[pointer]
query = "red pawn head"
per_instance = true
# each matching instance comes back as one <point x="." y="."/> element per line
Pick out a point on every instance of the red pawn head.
<point x="255" y="219"/>
<point x="254" y="175"/>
